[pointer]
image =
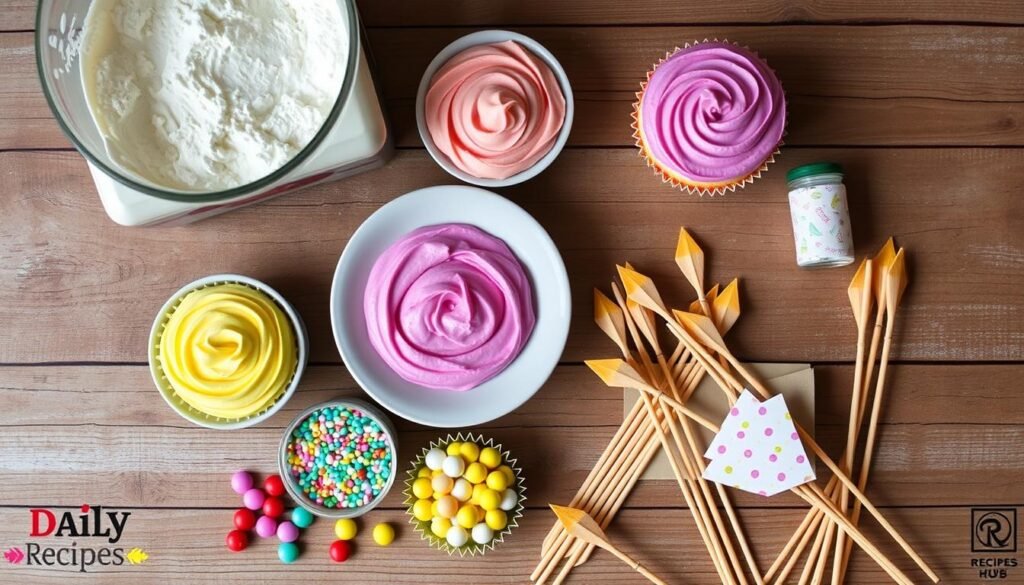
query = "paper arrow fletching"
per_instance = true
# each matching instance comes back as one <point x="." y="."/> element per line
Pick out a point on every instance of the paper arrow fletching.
<point x="896" y="280"/>
<point x="690" y="259"/>
<point x="640" y="289"/>
<point x="617" y="373"/>
<point x="726" y="308"/>
<point x="701" y="328"/>
<point x="609" y="319"/>
<point x="856" y="290"/>
<point x="579" y="524"/>
<point x="883" y="260"/>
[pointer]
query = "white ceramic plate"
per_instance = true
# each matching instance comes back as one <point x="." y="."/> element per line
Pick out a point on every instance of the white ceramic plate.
<point x="531" y="245"/>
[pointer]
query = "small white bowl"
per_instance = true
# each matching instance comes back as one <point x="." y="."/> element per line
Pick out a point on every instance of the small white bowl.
<point x="185" y="410"/>
<point x="488" y="37"/>
<point x="289" y="481"/>
<point x="532" y="247"/>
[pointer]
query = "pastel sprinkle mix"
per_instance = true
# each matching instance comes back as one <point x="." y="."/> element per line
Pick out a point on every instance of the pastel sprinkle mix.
<point x="340" y="458"/>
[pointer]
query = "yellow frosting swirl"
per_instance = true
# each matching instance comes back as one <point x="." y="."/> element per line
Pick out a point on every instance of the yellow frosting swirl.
<point x="228" y="350"/>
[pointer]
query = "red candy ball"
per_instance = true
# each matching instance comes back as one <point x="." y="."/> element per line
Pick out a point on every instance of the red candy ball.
<point x="274" y="486"/>
<point x="244" y="519"/>
<point x="237" y="540"/>
<point x="273" y="507"/>
<point x="340" y="550"/>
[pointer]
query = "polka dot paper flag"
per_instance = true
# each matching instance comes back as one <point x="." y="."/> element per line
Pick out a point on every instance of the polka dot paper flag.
<point x="758" y="449"/>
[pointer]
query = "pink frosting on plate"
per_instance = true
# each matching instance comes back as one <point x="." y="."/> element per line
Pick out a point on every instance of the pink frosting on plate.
<point x="713" y="112"/>
<point x="448" y="306"/>
<point x="494" y="110"/>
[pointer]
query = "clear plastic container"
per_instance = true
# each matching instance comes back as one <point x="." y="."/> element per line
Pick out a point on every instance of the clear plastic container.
<point x="58" y="41"/>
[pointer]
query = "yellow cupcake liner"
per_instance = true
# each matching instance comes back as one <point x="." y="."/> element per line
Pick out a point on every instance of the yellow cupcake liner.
<point x="674" y="178"/>
<point x="186" y="410"/>
<point x="471" y="548"/>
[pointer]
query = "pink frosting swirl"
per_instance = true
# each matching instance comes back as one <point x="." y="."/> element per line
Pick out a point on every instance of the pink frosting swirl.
<point x="494" y="110"/>
<point x="448" y="306"/>
<point x="713" y="112"/>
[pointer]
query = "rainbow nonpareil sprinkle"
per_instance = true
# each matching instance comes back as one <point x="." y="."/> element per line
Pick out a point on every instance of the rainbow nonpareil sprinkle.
<point x="340" y="458"/>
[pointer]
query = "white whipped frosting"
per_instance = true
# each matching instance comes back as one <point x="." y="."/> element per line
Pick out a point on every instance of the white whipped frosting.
<point x="205" y="95"/>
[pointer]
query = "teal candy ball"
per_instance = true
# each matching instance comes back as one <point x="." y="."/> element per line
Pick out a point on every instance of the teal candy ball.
<point x="288" y="552"/>
<point x="302" y="517"/>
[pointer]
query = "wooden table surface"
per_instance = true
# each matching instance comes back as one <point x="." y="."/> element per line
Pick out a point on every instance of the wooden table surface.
<point x="922" y="102"/>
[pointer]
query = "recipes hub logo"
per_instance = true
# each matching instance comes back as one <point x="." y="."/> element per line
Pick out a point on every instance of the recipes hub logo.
<point x="55" y="537"/>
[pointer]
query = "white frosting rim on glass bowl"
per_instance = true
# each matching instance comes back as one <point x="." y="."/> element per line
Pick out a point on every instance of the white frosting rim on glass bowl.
<point x="531" y="245"/>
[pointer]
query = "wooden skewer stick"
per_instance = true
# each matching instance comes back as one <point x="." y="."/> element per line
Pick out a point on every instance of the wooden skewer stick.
<point x="617" y="373"/>
<point x="609" y="500"/>
<point x="690" y="259"/>
<point x="895" y="284"/>
<point x="694" y="459"/>
<point x="706" y="514"/>
<point x="641" y="289"/>
<point x="882" y="261"/>
<point x="860" y="293"/>
<point x="699" y="323"/>
<point x="730" y="311"/>
<point x="579" y="524"/>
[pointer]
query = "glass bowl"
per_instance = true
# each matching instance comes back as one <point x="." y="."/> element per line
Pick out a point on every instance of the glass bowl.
<point x="58" y="41"/>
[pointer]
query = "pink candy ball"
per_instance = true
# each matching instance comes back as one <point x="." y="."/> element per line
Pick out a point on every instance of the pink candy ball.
<point x="241" y="482"/>
<point x="254" y="498"/>
<point x="266" y="526"/>
<point x="287" y="532"/>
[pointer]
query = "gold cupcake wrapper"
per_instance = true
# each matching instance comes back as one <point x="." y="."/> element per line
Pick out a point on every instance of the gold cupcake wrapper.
<point x="675" y="179"/>
<point x="167" y="389"/>
<point x="471" y="548"/>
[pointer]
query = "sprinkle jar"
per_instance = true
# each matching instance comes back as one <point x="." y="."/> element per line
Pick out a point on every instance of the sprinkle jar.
<point x="338" y="459"/>
<point x="821" y="217"/>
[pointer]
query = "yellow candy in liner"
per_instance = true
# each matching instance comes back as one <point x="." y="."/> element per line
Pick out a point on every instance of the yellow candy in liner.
<point x="490" y="457"/>
<point x="458" y="521"/>
<point x="469" y="451"/>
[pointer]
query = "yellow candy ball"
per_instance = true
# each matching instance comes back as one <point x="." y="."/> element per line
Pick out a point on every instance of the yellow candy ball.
<point x="469" y="451"/>
<point x="509" y="474"/>
<point x="490" y="499"/>
<point x="440" y="527"/>
<point x="466" y="517"/>
<point x="383" y="534"/>
<point x="433" y="509"/>
<point x="422" y="489"/>
<point x="423" y="472"/>
<point x="496" y="519"/>
<point x="475" y="472"/>
<point x="436" y="472"/>
<point x="442" y="485"/>
<point x="490" y="457"/>
<point x="477" y="490"/>
<point x="496" y="480"/>
<point x="422" y="510"/>
<point x="345" y="529"/>
<point x="447" y="507"/>
<point x="453" y="449"/>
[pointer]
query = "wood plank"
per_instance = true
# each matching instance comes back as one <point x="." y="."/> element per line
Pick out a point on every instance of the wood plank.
<point x="191" y="541"/>
<point x="20" y="14"/>
<point x="76" y="287"/>
<point x="608" y="12"/>
<point x="120" y="442"/>
<point x="952" y="85"/>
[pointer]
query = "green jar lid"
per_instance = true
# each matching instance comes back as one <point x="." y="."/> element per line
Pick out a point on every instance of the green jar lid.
<point x="818" y="168"/>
